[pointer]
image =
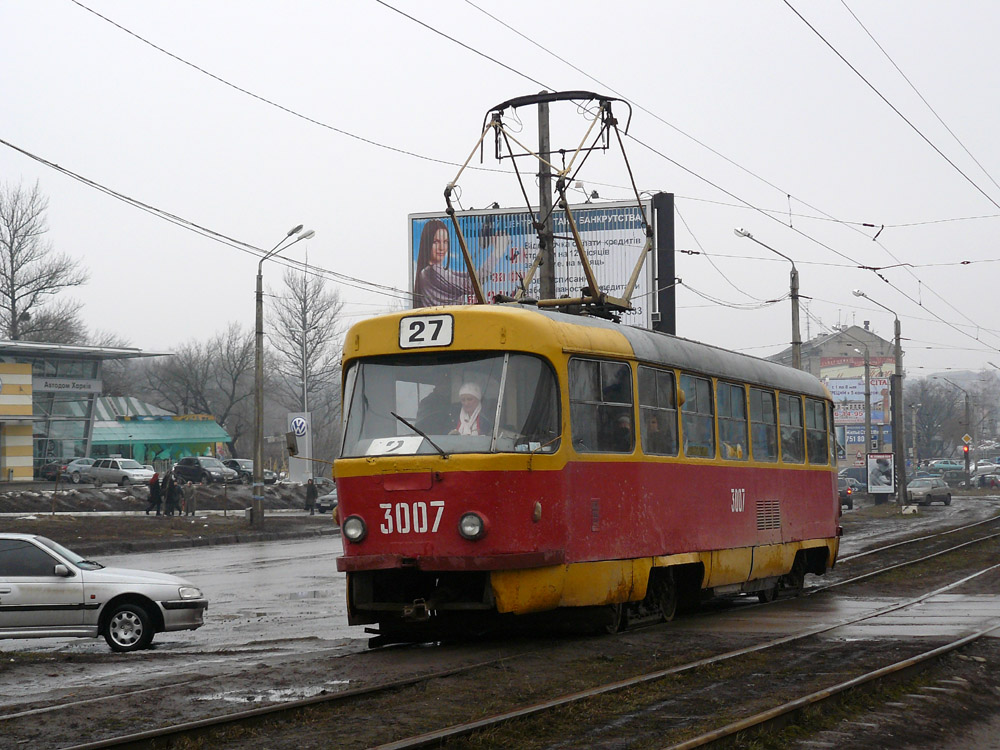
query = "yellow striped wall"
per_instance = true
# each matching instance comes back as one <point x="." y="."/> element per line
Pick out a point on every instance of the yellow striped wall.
<point x="16" y="447"/>
<point x="15" y="394"/>
<point x="16" y="452"/>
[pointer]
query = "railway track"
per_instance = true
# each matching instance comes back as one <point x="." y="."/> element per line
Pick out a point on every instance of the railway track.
<point x="280" y="714"/>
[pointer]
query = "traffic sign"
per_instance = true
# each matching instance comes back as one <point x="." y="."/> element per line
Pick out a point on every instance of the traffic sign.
<point x="967" y="438"/>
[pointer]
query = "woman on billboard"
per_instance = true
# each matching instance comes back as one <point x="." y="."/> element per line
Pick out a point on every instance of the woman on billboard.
<point x="436" y="284"/>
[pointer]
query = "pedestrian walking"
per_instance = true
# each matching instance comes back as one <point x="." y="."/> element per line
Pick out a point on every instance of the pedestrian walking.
<point x="171" y="494"/>
<point x="311" y="494"/>
<point x="155" y="498"/>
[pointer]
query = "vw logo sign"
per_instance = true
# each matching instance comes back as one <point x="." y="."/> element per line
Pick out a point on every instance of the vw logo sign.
<point x="299" y="426"/>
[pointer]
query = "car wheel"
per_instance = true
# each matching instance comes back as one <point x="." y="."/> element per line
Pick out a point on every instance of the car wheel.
<point x="128" y="628"/>
<point x="206" y="479"/>
<point x="126" y="482"/>
<point x="246" y="479"/>
<point x="75" y="477"/>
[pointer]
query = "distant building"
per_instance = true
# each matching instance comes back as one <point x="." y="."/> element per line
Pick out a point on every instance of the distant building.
<point x="50" y="405"/>
<point x="838" y="359"/>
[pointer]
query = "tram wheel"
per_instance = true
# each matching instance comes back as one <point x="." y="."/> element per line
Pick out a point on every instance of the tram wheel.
<point x="768" y="595"/>
<point x="663" y="592"/>
<point x="619" y="619"/>
<point x="795" y="581"/>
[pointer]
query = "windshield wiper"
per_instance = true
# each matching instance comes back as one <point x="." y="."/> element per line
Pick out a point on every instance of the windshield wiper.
<point x="421" y="433"/>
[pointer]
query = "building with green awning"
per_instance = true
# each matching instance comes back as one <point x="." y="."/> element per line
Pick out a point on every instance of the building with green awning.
<point x="133" y="428"/>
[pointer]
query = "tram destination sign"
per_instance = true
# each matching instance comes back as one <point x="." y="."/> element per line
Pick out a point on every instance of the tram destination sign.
<point x="503" y="244"/>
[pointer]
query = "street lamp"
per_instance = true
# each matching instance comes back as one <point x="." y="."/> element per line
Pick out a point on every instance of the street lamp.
<point x="897" y="405"/>
<point x="794" y="287"/>
<point x="257" y="505"/>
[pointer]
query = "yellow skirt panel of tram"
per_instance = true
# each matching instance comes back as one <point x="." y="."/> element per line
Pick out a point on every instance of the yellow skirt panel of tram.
<point x="575" y="585"/>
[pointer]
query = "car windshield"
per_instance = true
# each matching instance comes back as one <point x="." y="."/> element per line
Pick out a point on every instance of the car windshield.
<point x="920" y="483"/>
<point x="244" y="463"/>
<point x="211" y="463"/>
<point x="129" y="464"/>
<point x="70" y="555"/>
<point x="473" y="402"/>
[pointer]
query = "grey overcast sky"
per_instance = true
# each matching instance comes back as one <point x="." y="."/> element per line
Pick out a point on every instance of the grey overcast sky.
<point x="791" y="119"/>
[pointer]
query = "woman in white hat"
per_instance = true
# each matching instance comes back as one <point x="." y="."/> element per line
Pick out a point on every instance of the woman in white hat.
<point x="470" y="419"/>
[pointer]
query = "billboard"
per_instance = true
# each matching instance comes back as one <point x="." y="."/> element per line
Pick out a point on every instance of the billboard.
<point x="881" y="474"/>
<point x="503" y="244"/>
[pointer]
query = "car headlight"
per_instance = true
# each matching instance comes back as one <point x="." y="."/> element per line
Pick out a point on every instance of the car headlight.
<point x="472" y="526"/>
<point x="354" y="529"/>
<point x="189" y="592"/>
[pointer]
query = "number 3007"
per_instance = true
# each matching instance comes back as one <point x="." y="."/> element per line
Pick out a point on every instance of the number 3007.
<point x="406" y="518"/>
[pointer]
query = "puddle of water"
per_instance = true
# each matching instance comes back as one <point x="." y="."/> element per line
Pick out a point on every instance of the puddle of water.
<point x="317" y="594"/>
<point x="273" y="696"/>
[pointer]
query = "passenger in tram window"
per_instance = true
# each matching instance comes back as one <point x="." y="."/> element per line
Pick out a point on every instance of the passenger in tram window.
<point x="470" y="419"/>
<point x="656" y="440"/>
<point x="436" y="413"/>
<point x="621" y="441"/>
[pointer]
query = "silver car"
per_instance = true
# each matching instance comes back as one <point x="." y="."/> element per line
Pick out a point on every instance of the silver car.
<point x="926" y="490"/>
<point x="49" y="591"/>
<point x="123" y="471"/>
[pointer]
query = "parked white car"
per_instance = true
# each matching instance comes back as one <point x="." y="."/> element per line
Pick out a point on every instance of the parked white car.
<point x="49" y="591"/>
<point x="123" y="471"/>
<point x="78" y="470"/>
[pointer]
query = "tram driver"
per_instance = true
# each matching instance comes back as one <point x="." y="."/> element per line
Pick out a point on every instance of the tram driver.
<point x="471" y="420"/>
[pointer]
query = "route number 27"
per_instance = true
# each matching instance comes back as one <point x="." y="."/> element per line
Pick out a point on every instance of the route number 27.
<point x="425" y="330"/>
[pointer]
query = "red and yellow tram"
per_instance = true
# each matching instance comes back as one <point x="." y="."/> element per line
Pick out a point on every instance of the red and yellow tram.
<point x="503" y="460"/>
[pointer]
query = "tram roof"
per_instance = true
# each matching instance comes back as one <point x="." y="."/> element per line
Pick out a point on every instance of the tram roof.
<point x="661" y="348"/>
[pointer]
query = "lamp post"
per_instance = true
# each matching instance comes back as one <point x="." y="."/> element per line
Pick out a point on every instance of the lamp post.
<point x="794" y="288"/>
<point x="916" y="451"/>
<point x="257" y="505"/>
<point x="896" y="394"/>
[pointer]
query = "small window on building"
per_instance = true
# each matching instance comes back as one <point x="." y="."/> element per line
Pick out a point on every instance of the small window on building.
<point x="817" y="440"/>
<point x="732" y="422"/>
<point x="697" y="417"/>
<point x="601" y="406"/>
<point x="792" y="438"/>
<point x="658" y="412"/>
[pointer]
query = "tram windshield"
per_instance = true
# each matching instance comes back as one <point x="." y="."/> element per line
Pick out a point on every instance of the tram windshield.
<point x="472" y="402"/>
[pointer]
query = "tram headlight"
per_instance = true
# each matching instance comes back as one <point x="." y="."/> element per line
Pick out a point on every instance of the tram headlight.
<point x="354" y="529"/>
<point x="472" y="526"/>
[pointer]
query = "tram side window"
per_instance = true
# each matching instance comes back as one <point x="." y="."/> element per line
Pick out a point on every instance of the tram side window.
<point x="658" y="412"/>
<point x="763" y="425"/>
<point x="816" y="433"/>
<point x="600" y="406"/>
<point x="792" y="446"/>
<point x="697" y="417"/>
<point x="732" y="421"/>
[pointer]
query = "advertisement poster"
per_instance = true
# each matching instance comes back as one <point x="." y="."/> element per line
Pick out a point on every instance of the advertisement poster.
<point x="503" y="244"/>
<point x="881" y="474"/>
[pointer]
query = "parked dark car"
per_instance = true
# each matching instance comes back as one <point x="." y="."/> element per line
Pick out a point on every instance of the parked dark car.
<point x="51" y="471"/>
<point x="845" y="492"/>
<point x="326" y="503"/>
<point x="244" y="470"/>
<point x="204" y="469"/>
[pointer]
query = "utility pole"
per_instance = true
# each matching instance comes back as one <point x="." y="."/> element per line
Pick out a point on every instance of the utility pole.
<point x="547" y="278"/>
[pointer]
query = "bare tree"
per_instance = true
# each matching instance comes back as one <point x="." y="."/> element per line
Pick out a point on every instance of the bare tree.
<point x="31" y="272"/>
<point x="116" y="378"/>
<point x="306" y="342"/>
<point x="212" y="378"/>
